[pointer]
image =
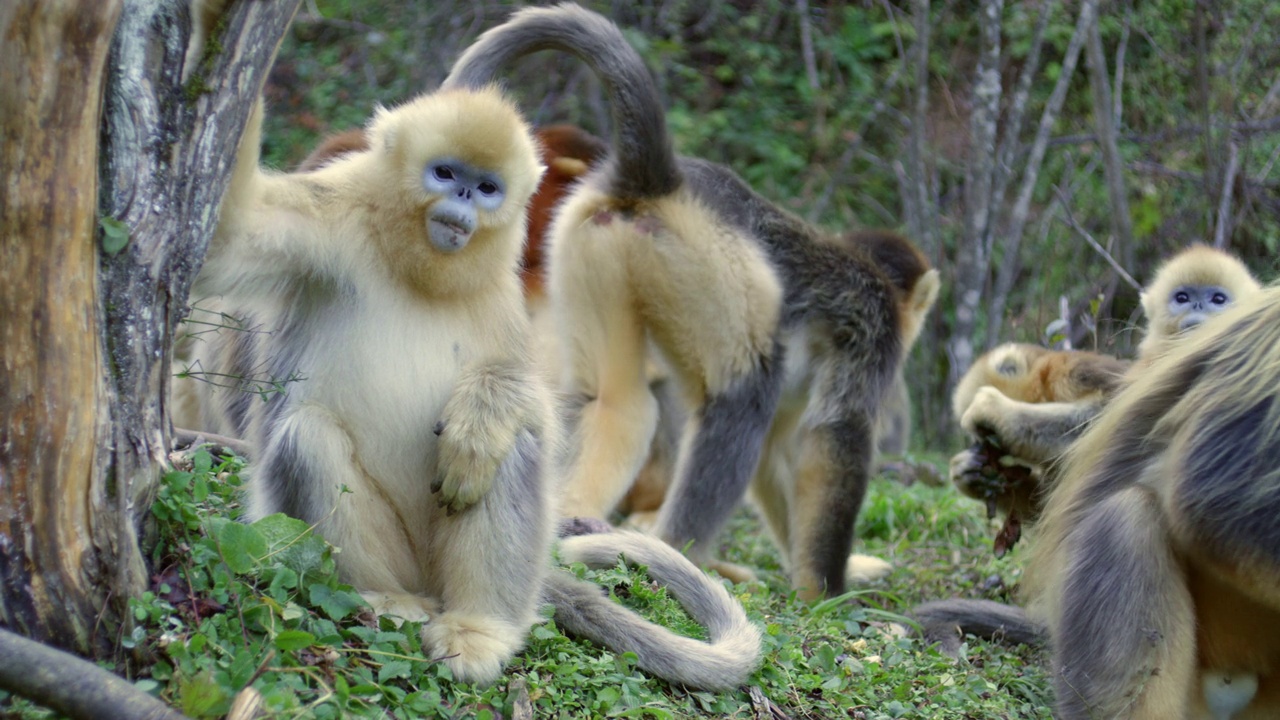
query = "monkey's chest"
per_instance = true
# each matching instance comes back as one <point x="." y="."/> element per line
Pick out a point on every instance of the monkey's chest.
<point x="387" y="370"/>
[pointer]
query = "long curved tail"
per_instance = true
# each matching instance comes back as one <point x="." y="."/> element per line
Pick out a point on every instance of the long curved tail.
<point x="725" y="661"/>
<point x="944" y="621"/>
<point x="644" y="163"/>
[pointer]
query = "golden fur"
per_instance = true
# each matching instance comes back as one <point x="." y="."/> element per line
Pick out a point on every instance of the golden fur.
<point x="419" y="438"/>
<point x="1156" y="563"/>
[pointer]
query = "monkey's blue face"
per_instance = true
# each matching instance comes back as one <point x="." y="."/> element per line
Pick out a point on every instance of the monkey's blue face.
<point x="1193" y="304"/>
<point x="463" y="191"/>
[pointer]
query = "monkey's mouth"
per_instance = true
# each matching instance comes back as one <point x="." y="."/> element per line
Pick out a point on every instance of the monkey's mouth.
<point x="448" y="234"/>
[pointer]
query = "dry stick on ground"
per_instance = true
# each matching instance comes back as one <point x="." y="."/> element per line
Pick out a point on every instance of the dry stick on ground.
<point x="73" y="687"/>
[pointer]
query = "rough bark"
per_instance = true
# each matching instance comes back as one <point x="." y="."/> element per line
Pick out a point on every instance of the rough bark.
<point x="972" y="260"/>
<point x="86" y="335"/>
<point x="53" y="397"/>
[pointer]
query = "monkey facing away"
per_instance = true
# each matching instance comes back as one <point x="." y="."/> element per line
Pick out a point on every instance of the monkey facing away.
<point x="420" y="440"/>
<point x="774" y="332"/>
<point x="916" y="289"/>
<point x="1157" y="564"/>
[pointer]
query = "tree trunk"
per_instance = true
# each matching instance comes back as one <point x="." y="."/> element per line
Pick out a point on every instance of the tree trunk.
<point x="972" y="260"/>
<point x="1121" y="221"/>
<point x="54" y="575"/>
<point x="87" y="336"/>
<point x="1017" y="222"/>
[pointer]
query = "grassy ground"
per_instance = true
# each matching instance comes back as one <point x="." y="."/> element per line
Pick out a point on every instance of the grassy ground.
<point x="259" y="606"/>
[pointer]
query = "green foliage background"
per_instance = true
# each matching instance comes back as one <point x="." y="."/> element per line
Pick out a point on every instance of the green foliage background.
<point x="831" y="147"/>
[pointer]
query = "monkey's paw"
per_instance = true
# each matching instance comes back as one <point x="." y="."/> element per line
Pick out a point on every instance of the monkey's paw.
<point x="986" y="413"/>
<point x="466" y="465"/>
<point x="733" y="572"/>
<point x="966" y="473"/>
<point x="474" y="647"/>
<point x="860" y="569"/>
<point x="404" y="606"/>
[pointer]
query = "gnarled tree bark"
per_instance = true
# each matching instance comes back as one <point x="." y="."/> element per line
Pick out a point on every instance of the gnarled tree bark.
<point x="86" y="335"/>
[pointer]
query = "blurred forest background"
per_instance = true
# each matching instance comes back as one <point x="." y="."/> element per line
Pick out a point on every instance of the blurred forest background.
<point x="972" y="126"/>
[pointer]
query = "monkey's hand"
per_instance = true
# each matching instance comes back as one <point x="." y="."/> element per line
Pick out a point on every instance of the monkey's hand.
<point x="490" y="405"/>
<point x="987" y="413"/>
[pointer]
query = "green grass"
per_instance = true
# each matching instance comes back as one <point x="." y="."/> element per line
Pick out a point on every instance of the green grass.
<point x="237" y="605"/>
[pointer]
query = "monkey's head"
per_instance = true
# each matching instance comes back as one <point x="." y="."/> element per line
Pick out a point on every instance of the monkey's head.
<point x="464" y="161"/>
<point x="1191" y="287"/>
<point x="1006" y="368"/>
<point x="915" y="281"/>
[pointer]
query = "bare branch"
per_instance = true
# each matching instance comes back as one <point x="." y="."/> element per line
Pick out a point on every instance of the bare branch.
<point x="1223" y="229"/>
<point x="1070" y="221"/>
<point x="73" y="687"/>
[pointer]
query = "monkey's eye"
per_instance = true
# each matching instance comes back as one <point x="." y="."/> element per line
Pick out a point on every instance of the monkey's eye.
<point x="1219" y="298"/>
<point x="443" y="172"/>
<point x="488" y="188"/>
<point x="1181" y="297"/>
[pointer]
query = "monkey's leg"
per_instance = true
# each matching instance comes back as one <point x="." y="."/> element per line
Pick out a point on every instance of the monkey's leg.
<point x="487" y="565"/>
<point x="773" y="486"/>
<point x="604" y="348"/>
<point x="718" y="457"/>
<point x="309" y="471"/>
<point x="835" y="461"/>
<point x="1124" y="640"/>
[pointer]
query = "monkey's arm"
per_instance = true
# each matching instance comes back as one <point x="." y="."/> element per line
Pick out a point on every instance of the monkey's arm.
<point x="492" y="402"/>
<point x="275" y="227"/>
<point x="1034" y="432"/>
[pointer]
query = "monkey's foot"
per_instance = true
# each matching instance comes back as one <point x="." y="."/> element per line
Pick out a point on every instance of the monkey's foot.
<point x="400" y="605"/>
<point x="732" y="571"/>
<point x="474" y="647"/>
<point x="864" y="568"/>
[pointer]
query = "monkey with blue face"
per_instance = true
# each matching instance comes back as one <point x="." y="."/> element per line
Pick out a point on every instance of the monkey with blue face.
<point x="419" y="437"/>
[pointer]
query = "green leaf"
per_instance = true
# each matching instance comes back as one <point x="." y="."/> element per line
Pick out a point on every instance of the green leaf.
<point x="291" y="543"/>
<point x="337" y="604"/>
<point x="394" y="669"/>
<point x="241" y="546"/>
<point x="200" y="696"/>
<point x="115" y="235"/>
<point x="294" y="640"/>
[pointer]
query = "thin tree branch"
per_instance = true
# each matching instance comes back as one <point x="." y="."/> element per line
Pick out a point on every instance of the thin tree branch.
<point x="1070" y="221"/>
<point x="1223" y="229"/>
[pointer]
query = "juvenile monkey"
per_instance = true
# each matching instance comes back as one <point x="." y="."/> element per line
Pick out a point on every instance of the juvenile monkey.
<point x="1071" y="385"/>
<point x="1157" y="566"/>
<point x="1188" y="289"/>
<point x="420" y="440"/>
<point x="566" y="151"/>
<point x="774" y="332"/>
